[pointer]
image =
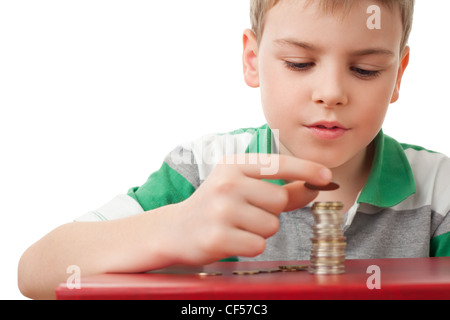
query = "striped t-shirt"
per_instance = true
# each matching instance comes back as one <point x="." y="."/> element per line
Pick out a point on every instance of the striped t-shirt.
<point x="402" y="211"/>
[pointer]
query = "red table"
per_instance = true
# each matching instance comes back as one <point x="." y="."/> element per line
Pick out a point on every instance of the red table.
<point x="419" y="278"/>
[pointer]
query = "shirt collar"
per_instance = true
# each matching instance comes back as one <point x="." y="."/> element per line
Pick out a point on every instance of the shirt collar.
<point x="391" y="179"/>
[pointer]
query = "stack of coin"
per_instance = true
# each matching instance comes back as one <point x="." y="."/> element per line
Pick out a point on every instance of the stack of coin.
<point x="328" y="241"/>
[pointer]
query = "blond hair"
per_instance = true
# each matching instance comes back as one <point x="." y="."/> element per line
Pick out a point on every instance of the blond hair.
<point x="259" y="8"/>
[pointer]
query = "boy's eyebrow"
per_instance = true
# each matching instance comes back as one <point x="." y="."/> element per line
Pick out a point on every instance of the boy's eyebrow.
<point x="311" y="47"/>
<point x="370" y="51"/>
<point x="295" y="43"/>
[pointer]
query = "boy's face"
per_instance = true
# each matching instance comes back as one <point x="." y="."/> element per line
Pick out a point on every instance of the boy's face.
<point x="326" y="79"/>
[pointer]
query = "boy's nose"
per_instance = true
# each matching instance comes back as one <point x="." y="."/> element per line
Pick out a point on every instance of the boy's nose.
<point x="330" y="91"/>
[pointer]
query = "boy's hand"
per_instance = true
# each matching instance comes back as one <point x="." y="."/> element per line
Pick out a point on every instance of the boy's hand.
<point x="234" y="211"/>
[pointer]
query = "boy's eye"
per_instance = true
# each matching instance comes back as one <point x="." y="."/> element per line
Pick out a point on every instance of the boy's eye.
<point x="298" y="66"/>
<point x="362" y="73"/>
<point x="365" y="73"/>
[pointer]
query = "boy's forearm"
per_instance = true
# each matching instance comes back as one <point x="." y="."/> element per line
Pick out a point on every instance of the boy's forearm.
<point x="127" y="245"/>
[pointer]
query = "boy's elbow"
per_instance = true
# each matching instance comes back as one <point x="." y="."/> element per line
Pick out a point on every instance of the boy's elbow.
<point x="22" y="279"/>
<point x="25" y="287"/>
<point x="28" y="282"/>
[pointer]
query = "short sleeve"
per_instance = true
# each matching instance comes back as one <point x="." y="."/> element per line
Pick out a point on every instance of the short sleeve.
<point x="174" y="182"/>
<point x="119" y="207"/>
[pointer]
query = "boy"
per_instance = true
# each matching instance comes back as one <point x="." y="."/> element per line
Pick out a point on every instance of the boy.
<point x="327" y="77"/>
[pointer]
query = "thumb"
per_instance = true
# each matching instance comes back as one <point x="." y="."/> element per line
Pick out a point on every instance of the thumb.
<point x="298" y="195"/>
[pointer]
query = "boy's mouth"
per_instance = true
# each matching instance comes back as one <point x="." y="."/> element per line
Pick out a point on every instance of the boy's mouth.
<point x="327" y="130"/>
<point x="324" y="127"/>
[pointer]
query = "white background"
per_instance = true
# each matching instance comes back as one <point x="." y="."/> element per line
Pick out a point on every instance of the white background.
<point x="94" y="94"/>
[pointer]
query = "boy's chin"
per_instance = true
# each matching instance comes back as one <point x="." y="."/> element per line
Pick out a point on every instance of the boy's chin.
<point x="328" y="160"/>
<point x="331" y="158"/>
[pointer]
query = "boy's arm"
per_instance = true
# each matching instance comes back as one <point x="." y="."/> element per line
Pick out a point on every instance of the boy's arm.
<point x="230" y="214"/>
<point x="135" y="244"/>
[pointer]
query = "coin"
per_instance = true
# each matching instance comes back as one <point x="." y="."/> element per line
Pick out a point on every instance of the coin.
<point x="328" y="260"/>
<point x="208" y="274"/>
<point x="327" y="270"/>
<point x="330" y="187"/>
<point x="327" y="233"/>
<point x="328" y="242"/>
<point x="330" y="207"/>
<point x="293" y="267"/>
<point x="245" y="272"/>
<point x="269" y="270"/>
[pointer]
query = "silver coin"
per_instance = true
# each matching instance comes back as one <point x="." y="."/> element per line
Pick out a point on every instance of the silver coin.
<point x="332" y="247"/>
<point x="325" y="239"/>
<point x="328" y="243"/>
<point x="327" y="253"/>
<point x="317" y="261"/>
<point x="327" y="234"/>
<point x="333" y="221"/>
<point x="325" y="271"/>
<point x="209" y="274"/>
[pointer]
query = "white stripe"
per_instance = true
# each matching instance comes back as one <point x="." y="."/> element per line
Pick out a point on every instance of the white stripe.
<point x="432" y="175"/>
<point x="352" y="212"/>
<point x="121" y="206"/>
<point x="210" y="149"/>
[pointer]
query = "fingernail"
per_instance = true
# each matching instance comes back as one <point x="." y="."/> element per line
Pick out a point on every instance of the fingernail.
<point x="325" y="174"/>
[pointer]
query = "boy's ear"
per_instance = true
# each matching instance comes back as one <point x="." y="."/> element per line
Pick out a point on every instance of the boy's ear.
<point x="403" y="64"/>
<point x="250" y="59"/>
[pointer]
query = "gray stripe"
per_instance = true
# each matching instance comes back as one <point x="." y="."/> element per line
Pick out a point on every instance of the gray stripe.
<point x="387" y="233"/>
<point x="391" y="234"/>
<point x="183" y="161"/>
<point x="441" y="224"/>
<point x="292" y="241"/>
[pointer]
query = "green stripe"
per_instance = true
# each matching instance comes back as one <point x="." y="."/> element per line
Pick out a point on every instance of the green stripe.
<point x="261" y="135"/>
<point x="440" y="246"/>
<point x="99" y="215"/>
<point x="262" y="143"/>
<point x="239" y="131"/>
<point x="230" y="259"/>
<point x="165" y="186"/>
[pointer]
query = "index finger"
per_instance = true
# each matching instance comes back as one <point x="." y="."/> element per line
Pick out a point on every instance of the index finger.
<point x="274" y="167"/>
